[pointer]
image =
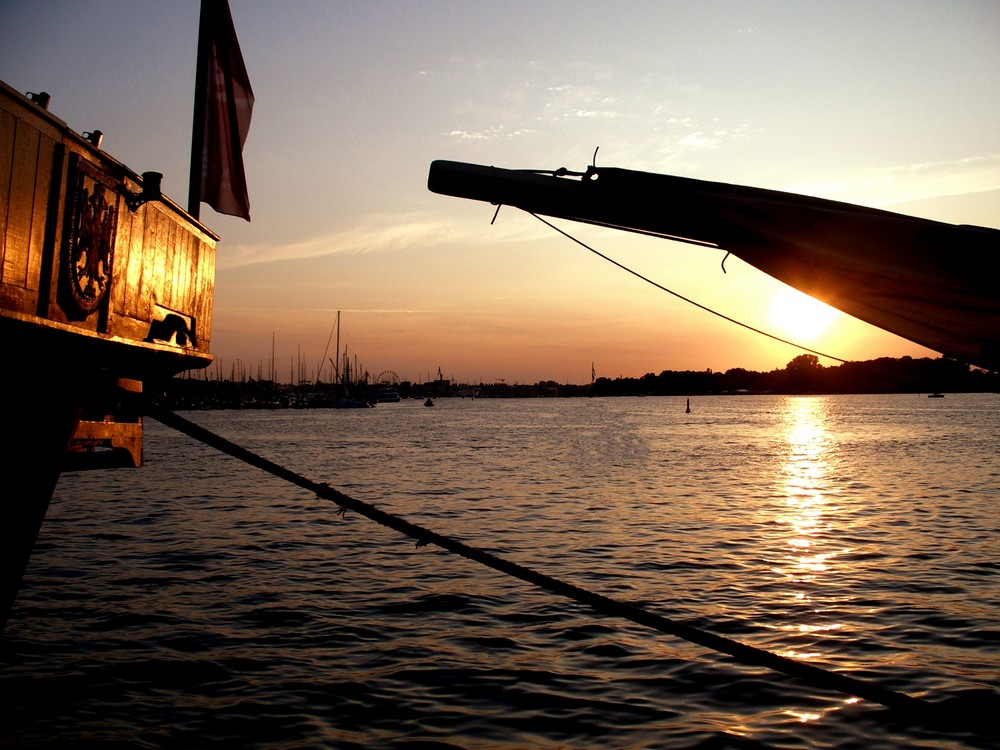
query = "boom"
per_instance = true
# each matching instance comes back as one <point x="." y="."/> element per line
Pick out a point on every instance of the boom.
<point x="930" y="282"/>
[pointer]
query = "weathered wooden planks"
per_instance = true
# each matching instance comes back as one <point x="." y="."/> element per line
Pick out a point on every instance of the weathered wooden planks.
<point x="156" y="263"/>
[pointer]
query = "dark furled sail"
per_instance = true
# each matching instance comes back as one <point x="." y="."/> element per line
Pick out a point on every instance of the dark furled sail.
<point x="930" y="282"/>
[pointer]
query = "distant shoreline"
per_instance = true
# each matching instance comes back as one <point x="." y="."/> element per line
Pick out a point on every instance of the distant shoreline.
<point x="804" y="375"/>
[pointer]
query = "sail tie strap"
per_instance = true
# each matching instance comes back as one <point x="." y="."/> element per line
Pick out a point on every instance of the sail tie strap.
<point x="915" y="708"/>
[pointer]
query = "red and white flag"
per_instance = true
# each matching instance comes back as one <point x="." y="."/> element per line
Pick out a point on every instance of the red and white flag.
<point x="223" y="103"/>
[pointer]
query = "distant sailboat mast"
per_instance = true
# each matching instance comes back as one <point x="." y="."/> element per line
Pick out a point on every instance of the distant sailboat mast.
<point x="324" y="358"/>
<point x="336" y="373"/>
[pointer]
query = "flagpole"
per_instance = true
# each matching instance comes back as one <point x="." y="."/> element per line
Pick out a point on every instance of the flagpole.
<point x="198" y="123"/>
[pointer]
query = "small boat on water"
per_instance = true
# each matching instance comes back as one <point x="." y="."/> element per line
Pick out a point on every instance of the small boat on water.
<point x="429" y="402"/>
<point x="387" y="395"/>
<point x="347" y="386"/>
<point x="344" y="380"/>
<point x="935" y="395"/>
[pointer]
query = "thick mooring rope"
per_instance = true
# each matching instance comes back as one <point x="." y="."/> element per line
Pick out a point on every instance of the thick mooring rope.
<point x="916" y="709"/>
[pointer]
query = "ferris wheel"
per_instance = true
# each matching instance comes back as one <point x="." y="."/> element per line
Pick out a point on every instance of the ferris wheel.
<point x="387" y="377"/>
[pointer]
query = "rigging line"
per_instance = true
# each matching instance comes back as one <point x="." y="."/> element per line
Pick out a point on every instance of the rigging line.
<point x="648" y="280"/>
<point x="322" y="361"/>
<point x="917" y="708"/>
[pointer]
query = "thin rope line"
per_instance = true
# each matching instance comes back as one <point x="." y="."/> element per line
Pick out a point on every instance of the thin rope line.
<point x="648" y="280"/>
<point x="749" y="655"/>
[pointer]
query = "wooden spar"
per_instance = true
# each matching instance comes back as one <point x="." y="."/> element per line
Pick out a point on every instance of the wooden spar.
<point x="929" y="282"/>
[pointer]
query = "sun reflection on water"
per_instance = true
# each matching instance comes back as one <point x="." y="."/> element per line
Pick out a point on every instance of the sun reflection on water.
<point x="806" y="488"/>
<point x="807" y="546"/>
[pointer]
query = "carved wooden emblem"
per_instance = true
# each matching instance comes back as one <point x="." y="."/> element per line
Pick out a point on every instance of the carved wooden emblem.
<point x="91" y="245"/>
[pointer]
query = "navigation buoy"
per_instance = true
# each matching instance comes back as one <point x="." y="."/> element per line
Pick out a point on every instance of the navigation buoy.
<point x="688" y="410"/>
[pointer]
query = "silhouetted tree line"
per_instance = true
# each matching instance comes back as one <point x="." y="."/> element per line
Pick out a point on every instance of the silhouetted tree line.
<point x="805" y="374"/>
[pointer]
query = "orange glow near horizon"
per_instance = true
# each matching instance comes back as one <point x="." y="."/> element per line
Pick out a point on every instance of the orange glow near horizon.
<point x="527" y="311"/>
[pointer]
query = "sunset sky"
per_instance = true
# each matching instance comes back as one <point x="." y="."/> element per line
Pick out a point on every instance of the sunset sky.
<point x="892" y="104"/>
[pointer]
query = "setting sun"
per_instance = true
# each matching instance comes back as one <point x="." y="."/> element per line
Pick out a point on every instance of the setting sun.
<point x="800" y="316"/>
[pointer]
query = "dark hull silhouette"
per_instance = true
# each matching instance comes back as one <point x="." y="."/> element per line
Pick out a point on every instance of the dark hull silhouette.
<point x="106" y="292"/>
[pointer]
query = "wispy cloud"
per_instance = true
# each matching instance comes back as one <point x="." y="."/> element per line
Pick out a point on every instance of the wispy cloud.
<point x="935" y="179"/>
<point x="494" y="133"/>
<point x="698" y="141"/>
<point x="900" y="183"/>
<point x="380" y="234"/>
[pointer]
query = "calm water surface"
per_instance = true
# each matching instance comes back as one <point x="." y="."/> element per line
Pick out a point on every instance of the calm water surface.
<point x="199" y="602"/>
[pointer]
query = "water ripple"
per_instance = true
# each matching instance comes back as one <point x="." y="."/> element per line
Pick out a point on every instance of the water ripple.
<point x="855" y="533"/>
